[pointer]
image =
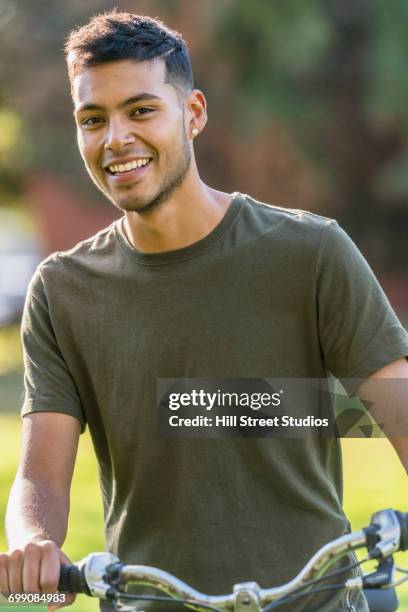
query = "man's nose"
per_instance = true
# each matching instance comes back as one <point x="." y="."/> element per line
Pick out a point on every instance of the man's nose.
<point x="118" y="135"/>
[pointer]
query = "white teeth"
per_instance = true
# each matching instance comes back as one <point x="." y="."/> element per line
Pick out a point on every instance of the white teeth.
<point x="136" y="163"/>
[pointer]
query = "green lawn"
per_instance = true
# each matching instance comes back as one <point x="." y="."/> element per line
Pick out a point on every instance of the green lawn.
<point x="374" y="479"/>
<point x="86" y="524"/>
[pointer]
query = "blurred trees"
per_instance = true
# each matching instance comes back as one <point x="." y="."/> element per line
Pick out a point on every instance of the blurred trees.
<point x="326" y="70"/>
<point x="35" y="84"/>
<point x="306" y="103"/>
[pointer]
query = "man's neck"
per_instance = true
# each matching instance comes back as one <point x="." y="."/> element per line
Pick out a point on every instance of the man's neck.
<point x="188" y="216"/>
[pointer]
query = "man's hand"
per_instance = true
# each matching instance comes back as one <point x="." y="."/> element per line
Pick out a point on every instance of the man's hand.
<point x="37" y="511"/>
<point x="34" y="569"/>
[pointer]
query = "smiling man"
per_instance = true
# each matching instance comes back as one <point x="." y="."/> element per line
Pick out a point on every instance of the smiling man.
<point x="189" y="283"/>
<point x="136" y="174"/>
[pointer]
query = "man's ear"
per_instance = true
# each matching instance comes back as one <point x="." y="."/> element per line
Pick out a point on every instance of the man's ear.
<point x="196" y="113"/>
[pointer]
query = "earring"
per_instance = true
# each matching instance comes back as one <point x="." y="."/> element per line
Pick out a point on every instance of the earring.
<point x="194" y="131"/>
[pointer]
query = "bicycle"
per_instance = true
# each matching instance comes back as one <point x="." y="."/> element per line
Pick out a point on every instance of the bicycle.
<point x="103" y="575"/>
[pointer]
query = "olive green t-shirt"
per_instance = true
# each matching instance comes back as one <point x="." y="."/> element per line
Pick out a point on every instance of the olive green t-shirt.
<point x="268" y="293"/>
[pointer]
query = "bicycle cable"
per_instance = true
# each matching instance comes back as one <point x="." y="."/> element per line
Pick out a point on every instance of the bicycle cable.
<point x="159" y="598"/>
<point x="293" y="596"/>
<point x="301" y="591"/>
<point x="395" y="584"/>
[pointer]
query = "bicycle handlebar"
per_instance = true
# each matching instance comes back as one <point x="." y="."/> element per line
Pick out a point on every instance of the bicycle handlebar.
<point x="72" y="580"/>
<point x="101" y="574"/>
<point x="403" y="521"/>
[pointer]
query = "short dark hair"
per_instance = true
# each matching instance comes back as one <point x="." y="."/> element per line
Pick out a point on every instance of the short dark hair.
<point x="114" y="36"/>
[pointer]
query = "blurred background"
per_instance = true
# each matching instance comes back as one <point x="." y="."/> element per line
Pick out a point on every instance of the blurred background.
<point x="307" y="109"/>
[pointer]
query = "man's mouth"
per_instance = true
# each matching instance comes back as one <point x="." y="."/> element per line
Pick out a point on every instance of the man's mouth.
<point x="128" y="170"/>
<point x="128" y="167"/>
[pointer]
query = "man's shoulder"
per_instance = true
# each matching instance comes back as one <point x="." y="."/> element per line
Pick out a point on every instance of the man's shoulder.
<point x="91" y="253"/>
<point x="281" y="212"/>
<point x="291" y="223"/>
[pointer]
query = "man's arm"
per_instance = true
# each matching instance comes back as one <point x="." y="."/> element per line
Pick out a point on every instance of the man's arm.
<point x="386" y="395"/>
<point x="37" y="512"/>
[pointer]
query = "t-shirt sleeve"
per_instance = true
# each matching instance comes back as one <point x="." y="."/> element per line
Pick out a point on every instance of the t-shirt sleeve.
<point x="48" y="384"/>
<point x="359" y="331"/>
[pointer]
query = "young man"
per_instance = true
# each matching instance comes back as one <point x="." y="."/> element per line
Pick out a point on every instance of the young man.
<point x="190" y="283"/>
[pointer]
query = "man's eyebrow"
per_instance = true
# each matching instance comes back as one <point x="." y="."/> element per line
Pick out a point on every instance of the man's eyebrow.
<point x="142" y="97"/>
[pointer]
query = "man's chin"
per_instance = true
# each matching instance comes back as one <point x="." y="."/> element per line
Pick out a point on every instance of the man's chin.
<point x="128" y="202"/>
<point x="138" y="206"/>
<point x="128" y="206"/>
<point x="143" y="205"/>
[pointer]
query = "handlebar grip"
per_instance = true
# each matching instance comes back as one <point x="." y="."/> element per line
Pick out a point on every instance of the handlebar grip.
<point x="403" y="521"/>
<point x="72" y="580"/>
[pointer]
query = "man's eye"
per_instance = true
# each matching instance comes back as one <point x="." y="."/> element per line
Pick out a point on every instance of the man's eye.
<point x="142" y="111"/>
<point x="91" y="121"/>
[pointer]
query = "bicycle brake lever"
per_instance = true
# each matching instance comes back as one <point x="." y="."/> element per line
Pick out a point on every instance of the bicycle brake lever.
<point x="383" y="575"/>
<point x="95" y="572"/>
<point x="383" y="534"/>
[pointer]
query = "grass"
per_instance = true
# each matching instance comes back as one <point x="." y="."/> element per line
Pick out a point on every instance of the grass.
<point x="374" y="479"/>
<point x="11" y="355"/>
<point x="86" y="524"/>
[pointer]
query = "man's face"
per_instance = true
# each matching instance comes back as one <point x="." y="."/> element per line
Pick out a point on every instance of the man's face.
<point x="131" y="132"/>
